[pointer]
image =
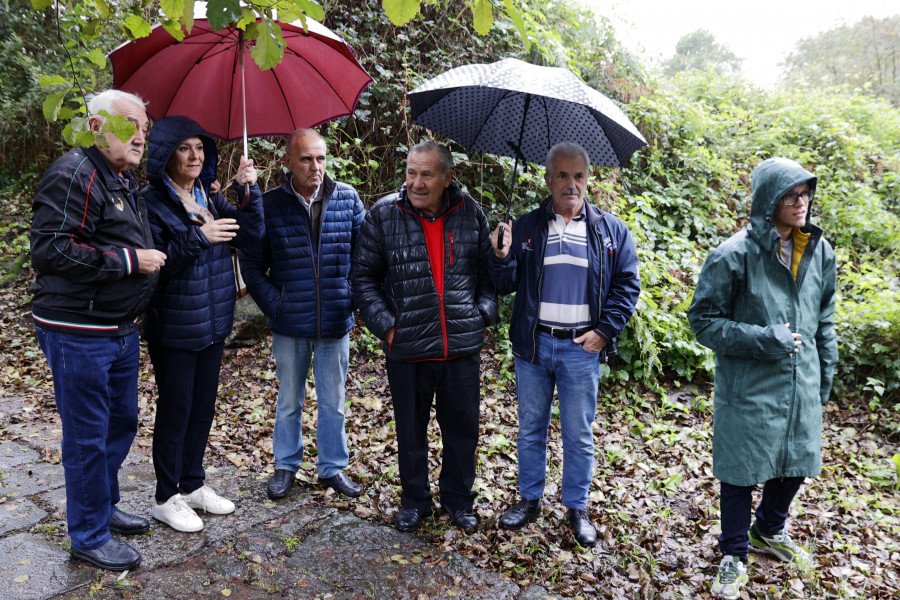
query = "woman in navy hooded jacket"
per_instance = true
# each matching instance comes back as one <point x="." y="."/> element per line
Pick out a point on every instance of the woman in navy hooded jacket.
<point x="192" y="309"/>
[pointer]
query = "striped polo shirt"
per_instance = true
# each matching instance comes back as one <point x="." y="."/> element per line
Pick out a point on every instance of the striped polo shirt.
<point x="564" y="291"/>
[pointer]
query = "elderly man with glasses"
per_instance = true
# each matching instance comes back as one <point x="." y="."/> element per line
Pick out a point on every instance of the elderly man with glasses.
<point x="765" y="304"/>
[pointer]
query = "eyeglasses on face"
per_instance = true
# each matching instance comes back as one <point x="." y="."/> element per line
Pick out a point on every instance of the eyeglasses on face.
<point x="792" y="198"/>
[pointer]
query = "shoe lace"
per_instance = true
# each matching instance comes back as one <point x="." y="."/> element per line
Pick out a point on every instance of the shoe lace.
<point x="728" y="572"/>
<point x="182" y="508"/>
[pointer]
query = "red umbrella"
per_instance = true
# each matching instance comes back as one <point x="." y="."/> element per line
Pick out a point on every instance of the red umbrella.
<point x="202" y="77"/>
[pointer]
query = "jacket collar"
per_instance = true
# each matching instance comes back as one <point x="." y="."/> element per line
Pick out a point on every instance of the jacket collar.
<point x="325" y="189"/>
<point x="451" y="198"/>
<point x="113" y="182"/>
<point x="593" y="213"/>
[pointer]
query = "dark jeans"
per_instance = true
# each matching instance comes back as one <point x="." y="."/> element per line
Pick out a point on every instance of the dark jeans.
<point x="736" y="505"/>
<point x="187" y="383"/>
<point x="455" y="387"/>
<point x="95" y="384"/>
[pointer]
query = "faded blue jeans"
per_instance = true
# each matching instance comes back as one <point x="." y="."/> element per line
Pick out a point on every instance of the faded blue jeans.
<point x="95" y="384"/>
<point x="576" y="375"/>
<point x="330" y="359"/>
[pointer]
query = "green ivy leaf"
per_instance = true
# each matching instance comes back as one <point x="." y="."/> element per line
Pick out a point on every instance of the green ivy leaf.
<point x="483" y="13"/>
<point x="310" y="9"/>
<point x="269" y="46"/>
<point x="400" y="12"/>
<point x="187" y="19"/>
<point x="896" y="458"/>
<point x="248" y="17"/>
<point x="103" y="7"/>
<point x="40" y="4"/>
<point x="49" y="80"/>
<point x="172" y="8"/>
<point x="516" y="17"/>
<point x="174" y="29"/>
<point x="77" y="133"/>
<point x="119" y="126"/>
<point x="52" y="104"/>
<point x="137" y="26"/>
<point x="222" y="13"/>
<point x="97" y="57"/>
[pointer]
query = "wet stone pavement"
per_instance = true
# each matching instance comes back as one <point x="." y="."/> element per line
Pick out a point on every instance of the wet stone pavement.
<point x="286" y="549"/>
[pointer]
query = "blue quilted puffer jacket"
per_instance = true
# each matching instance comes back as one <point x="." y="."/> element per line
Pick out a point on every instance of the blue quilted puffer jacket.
<point x="304" y="288"/>
<point x="193" y="305"/>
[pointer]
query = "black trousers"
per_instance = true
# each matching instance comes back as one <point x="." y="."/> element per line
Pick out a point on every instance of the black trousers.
<point x="455" y="387"/>
<point x="736" y="506"/>
<point x="187" y="383"/>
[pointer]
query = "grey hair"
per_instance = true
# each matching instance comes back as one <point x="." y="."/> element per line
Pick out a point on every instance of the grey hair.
<point x="303" y="132"/>
<point x="570" y="149"/>
<point x="104" y="101"/>
<point x="430" y="146"/>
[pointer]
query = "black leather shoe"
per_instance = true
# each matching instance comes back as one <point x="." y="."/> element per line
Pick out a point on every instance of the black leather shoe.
<point x="408" y="519"/>
<point x="113" y="556"/>
<point x="522" y="513"/>
<point x="464" y="518"/>
<point x="125" y="524"/>
<point x="342" y="484"/>
<point x="584" y="531"/>
<point x="280" y="484"/>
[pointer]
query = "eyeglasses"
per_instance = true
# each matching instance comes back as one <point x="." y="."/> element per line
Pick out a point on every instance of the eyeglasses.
<point x="791" y="199"/>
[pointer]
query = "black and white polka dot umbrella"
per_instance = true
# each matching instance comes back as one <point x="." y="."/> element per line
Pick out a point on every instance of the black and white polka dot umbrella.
<point x="495" y="108"/>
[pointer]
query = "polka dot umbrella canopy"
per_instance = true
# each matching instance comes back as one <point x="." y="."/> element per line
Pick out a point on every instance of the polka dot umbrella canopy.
<point x="495" y="108"/>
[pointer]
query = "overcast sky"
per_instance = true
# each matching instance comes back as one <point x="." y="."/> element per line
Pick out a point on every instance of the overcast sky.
<point x="761" y="32"/>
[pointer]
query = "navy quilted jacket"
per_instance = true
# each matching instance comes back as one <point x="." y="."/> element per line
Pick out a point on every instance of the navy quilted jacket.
<point x="193" y="305"/>
<point x="304" y="288"/>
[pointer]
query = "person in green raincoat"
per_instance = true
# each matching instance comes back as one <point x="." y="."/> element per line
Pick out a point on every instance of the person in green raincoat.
<point x="765" y="304"/>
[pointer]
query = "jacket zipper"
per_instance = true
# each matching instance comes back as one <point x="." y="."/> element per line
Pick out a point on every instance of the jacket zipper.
<point x="441" y="298"/>
<point x="451" y="248"/>
<point x="540" y="289"/>
<point x="315" y="265"/>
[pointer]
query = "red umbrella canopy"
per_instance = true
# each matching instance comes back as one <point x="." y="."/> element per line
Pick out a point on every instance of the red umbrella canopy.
<point x="200" y="77"/>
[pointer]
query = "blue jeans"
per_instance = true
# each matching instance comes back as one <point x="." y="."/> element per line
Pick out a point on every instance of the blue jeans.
<point x="576" y="375"/>
<point x="736" y="504"/>
<point x="330" y="359"/>
<point x="95" y="384"/>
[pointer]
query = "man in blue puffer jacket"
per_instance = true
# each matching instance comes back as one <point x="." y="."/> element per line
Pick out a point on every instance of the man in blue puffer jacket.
<point x="299" y="275"/>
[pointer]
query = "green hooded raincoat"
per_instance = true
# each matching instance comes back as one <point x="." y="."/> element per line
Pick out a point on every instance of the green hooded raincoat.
<point x="767" y="419"/>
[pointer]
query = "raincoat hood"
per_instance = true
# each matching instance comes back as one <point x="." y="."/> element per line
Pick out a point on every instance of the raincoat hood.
<point x="770" y="181"/>
<point x="165" y="135"/>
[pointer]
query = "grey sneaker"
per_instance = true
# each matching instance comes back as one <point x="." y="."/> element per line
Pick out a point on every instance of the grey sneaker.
<point x="732" y="576"/>
<point x="781" y="546"/>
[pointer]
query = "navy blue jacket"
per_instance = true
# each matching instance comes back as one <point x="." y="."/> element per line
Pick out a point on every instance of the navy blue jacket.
<point x="614" y="283"/>
<point x="304" y="288"/>
<point x="394" y="285"/>
<point x="193" y="305"/>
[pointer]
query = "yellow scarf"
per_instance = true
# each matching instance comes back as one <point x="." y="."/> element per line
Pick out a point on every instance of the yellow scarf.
<point x="800" y="241"/>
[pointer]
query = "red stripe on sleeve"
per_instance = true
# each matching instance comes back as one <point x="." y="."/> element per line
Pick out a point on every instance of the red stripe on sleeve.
<point x="87" y="199"/>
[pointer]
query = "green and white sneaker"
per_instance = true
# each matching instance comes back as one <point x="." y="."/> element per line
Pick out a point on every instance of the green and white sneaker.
<point x="781" y="546"/>
<point x="732" y="576"/>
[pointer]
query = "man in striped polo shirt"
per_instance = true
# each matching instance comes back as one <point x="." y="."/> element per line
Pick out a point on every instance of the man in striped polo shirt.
<point x="96" y="266"/>
<point x="575" y="272"/>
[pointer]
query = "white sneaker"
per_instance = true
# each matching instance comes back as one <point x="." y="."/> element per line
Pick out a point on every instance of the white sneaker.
<point x="207" y="500"/>
<point x="177" y="514"/>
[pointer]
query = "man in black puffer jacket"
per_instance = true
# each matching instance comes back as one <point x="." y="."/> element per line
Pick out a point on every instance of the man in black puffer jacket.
<point x="420" y="281"/>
